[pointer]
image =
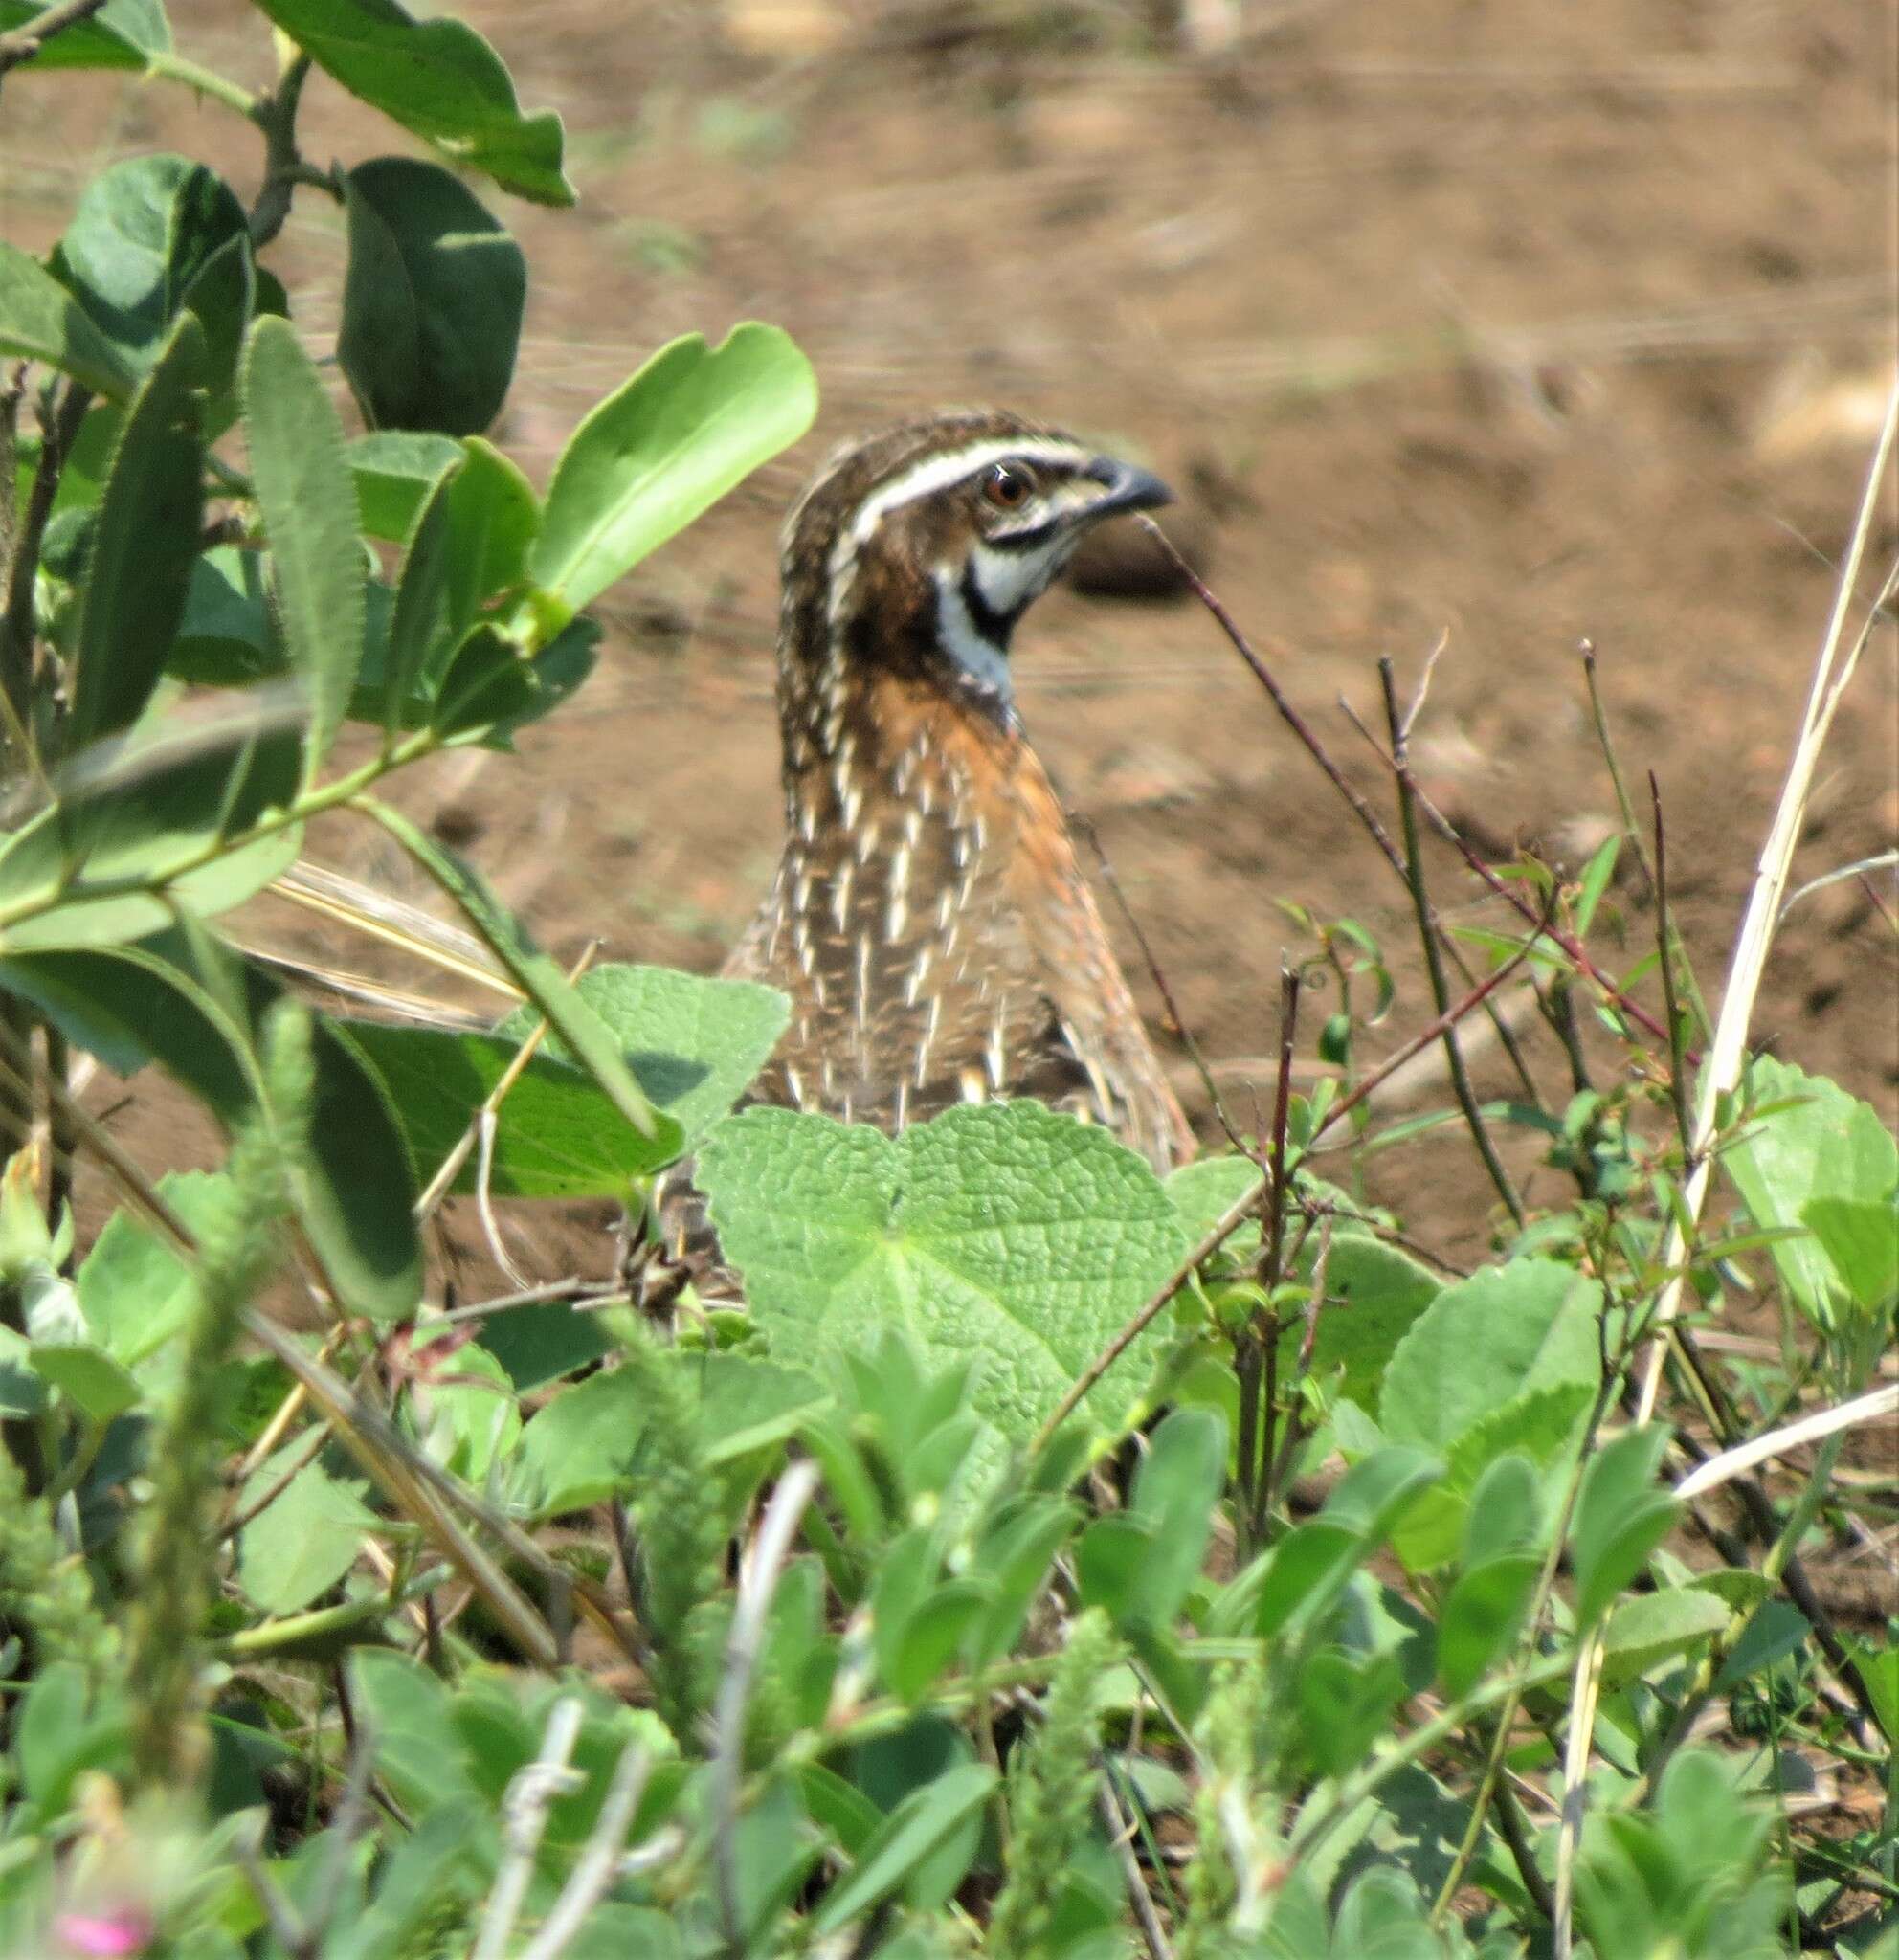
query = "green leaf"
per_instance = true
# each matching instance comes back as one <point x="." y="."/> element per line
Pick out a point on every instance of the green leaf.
<point x="121" y="35"/>
<point x="309" y="511"/>
<point x="394" y="470"/>
<point x="1345" y="1704"/>
<point x="440" y="79"/>
<point x="1652" y="1627"/>
<point x="1482" y="1616"/>
<point x="417" y="622"/>
<point x="140" y="567"/>
<point x="579" y="1448"/>
<point x="1542" y="1427"/>
<point x="1621" y="1516"/>
<point x="1594" y="880"/>
<point x="95" y="1384"/>
<point x="558" y="1135"/>
<point x="308" y="1536"/>
<point x="1311" y="1565"/>
<point x="1005" y="1233"/>
<point x="586" y="1037"/>
<point x="144" y="231"/>
<point x="418" y="1751"/>
<point x="691" y="424"/>
<point x="1878" y="1669"/>
<point x="156" y="1002"/>
<point x="921" y="1822"/>
<point x="696" y="1044"/>
<point x="1819" y="1143"/>
<point x="1862" y="1239"/>
<point x="1204" y="1191"/>
<point x="493" y="518"/>
<point x="932" y="1636"/>
<point x="1528" y="1325"/>
<point x="492" y="687"/>
<point x="1176" y="1494"/>
<point x="1016" y="1557"/>
<point x="222" y="295"/>
<point x="1376" y="1294"/>
<point x="136" y="1293"/>
<point x="172" y="795"/>
<point x="40" y="321"/>
<point x="224" y="638"/>
<point x="432" y="300"/>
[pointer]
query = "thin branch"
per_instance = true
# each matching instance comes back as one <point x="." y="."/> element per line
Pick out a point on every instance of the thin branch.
<point x="1664" y="945"/>
<point x="27" y="40"/>
<point x="1399" y="727"/>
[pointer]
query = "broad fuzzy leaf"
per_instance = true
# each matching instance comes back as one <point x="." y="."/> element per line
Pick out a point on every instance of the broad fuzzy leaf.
<point x="310" y="515"/>
<point x="1006" y="1233"/>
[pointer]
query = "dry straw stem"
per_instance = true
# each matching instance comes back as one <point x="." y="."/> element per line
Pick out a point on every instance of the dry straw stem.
<point x="1833" y="672"/>
<point x="1776" y="1442"/>
<point x="756" y="1585"/>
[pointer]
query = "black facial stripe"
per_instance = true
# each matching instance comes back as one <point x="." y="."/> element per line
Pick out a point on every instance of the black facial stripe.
<point x="994" y="626"/>
<point x="1025" y="540"/>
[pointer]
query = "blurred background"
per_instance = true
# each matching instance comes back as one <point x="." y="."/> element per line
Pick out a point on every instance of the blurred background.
<point x="1507" y="326"/>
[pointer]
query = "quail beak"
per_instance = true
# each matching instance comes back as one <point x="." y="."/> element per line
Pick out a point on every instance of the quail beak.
<point x="1125" y="486"/>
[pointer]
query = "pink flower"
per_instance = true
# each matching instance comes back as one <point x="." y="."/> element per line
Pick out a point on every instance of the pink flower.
<point x="107" y="1935"/>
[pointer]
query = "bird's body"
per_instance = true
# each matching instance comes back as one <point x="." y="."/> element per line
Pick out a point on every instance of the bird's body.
<point x="928" y="919"/>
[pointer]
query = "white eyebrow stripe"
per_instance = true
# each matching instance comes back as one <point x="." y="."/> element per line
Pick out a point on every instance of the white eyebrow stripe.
<point x="939" y="472"/>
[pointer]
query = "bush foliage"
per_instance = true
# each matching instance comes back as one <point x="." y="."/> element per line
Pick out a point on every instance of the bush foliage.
<point x="1054" y="1560"/>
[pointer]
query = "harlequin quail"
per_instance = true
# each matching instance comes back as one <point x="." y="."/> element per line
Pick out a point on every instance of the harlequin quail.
<point x="928" y="919"/>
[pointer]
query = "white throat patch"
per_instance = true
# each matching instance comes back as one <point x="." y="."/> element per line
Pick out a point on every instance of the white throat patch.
<point x="978" y="659"/>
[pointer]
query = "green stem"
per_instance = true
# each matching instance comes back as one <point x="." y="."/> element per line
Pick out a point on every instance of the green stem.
<point x="204" y="81"/>
<point x="312" y="803"/>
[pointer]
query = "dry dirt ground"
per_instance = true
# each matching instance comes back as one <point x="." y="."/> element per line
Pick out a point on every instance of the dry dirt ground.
<point x="1513" y="326"/>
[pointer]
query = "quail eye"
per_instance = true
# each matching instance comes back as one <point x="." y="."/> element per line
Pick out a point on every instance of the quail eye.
<point x="1009" y="486"/>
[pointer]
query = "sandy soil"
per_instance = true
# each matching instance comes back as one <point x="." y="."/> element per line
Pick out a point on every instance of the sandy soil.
<point x="1454" y="321"/>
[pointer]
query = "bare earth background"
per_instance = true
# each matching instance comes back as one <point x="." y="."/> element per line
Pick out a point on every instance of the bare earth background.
<point x="1514" y="325"/>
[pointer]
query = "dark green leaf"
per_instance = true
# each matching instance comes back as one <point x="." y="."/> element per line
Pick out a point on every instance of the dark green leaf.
<point x="224" y="638"/>
<point x="140" y="567"/>
<point x="558" y="1136"/>
<point x="907" y="1835"/>
<point x="40" y="321"/>
<point x="432" y="300"/>
<point x="155" y="1002"/>
<point x="440" y="79"/>
<point x="144" y="231"/>
<point x="696" y="1044"/>
<point x="1176" y="1493"/>
<point x="309" y="510"/>
<point x="418" y="620"/>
